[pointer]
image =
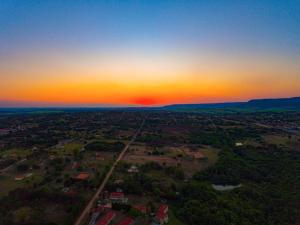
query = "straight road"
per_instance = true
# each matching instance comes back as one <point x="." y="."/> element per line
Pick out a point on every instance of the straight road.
<point x="108" y="175"/>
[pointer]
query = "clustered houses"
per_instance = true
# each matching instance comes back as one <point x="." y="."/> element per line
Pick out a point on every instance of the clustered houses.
<point x="118" y="197"/>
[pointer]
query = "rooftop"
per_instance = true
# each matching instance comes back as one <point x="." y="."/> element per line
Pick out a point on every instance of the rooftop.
<point x="106" y="218"/>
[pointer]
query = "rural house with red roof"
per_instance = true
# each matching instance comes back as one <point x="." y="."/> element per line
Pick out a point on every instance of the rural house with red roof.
<point x="161" y="216"/>
<point x="107" y="218"/>
<point x="127" y="221"/>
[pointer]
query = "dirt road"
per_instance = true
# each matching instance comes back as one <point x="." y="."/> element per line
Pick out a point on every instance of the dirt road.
<point x="108" y="175"/>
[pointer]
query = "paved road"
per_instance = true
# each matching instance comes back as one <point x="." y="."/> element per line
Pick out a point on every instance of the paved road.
<point x="108" y="175"/>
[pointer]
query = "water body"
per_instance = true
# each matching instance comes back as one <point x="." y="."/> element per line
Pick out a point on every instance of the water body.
<point x="225" y="187"/>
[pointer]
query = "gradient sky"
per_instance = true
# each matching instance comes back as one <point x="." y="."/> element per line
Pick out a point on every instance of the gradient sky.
<point x="90" y="53"/>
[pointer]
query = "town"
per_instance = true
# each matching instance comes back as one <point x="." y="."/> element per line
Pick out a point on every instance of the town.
<point x="135" y="167"/>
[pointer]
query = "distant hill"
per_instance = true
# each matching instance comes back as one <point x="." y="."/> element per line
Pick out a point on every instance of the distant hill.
<point x="255" y="104"/>
<point x="278" y="104"/>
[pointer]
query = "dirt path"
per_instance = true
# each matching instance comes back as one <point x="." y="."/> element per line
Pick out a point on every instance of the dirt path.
<point x="12" y="165"/>
<point x="108" y="175"/>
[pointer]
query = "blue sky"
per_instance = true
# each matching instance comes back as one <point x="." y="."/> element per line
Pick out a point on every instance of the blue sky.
<point x="235" y="25"/>
<point x="148" y="51"/>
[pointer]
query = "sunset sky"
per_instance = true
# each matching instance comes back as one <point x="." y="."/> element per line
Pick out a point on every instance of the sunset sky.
<point x="155" y="52"/>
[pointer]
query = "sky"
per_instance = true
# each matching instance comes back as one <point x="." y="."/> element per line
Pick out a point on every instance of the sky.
<point x="155" y="52"/>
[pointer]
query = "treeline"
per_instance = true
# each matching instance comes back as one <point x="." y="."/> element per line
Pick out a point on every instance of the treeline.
<point x="269" y="194"/>
<point x="143" y="182"/>
<point x="105" y="146"/>
<point x="23" y="206"/>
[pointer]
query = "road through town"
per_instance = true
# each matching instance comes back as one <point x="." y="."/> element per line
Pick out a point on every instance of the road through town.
<point x="108" y="175"/>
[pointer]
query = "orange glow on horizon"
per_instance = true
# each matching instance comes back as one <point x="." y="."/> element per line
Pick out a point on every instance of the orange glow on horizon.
<point x="145" y="81"/>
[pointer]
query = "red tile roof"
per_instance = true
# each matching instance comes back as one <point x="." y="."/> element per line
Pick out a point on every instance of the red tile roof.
<point x="82" y="176"/>
<point x="107" y="218"/>
<point x="117" y="195"/>
<point x="127" y="221"/>
<point x="162" y="212"/>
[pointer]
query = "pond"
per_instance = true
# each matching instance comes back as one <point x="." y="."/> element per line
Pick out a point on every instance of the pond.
<point x="225" y="187"/>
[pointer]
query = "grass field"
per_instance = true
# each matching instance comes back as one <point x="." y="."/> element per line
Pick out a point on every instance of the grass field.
<point x="8" y="183"/>
<point x="283" y="140"/>
<point x="16" y="153"/>
<point x="173" y="220"/>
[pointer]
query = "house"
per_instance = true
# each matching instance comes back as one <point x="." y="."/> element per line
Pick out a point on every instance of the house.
<point x="133" y="169"/>
<point x="107" y="218"/>
<point x="19" y="177"/>
<point x="119" y="181"/>
<point x="238" y="144"/>
<point x="104" y="206"/>
<point x="117" y="197"/>
<point x="82" y="176"/>
<point x="161" y="216"/>
<point x="22" y="177"/>
<point x="199" y="155"/>
<point x="127" y="221"/>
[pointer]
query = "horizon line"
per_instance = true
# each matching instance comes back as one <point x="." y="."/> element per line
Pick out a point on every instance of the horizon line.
<point x="118" y="106"/>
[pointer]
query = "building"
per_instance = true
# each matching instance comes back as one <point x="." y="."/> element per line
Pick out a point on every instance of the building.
<point x="118" y="197"/>
<point x="127" y="221"/>
<point x="19" y="177"/>
<point x="199" y="155"/>
<point x="133" y="169"/>
<point x="238" y="144"/>
<point x="82" y="176"/>
<point x="107" y="218"/>
<point x="161" y="216"/>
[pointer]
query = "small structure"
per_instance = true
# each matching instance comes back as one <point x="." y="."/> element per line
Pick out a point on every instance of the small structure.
<point x="118" y="197"/>
<point x="199" y="155"/>
<point x="127" y="221"/>
<point x="119" y="181"/>
<point x="104" y="206"/>
<point x="22" y="177"/>
<point x="238" y="144"/>
<point x="133" y="169"/>
<point x="107" y="218"/>
<point x="19" y="177"/>
<point x="82" y="176"/>
<point x="161" y="216"/>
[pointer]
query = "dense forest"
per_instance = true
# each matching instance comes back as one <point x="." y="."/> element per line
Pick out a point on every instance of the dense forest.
<point x="269" y="194"/>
